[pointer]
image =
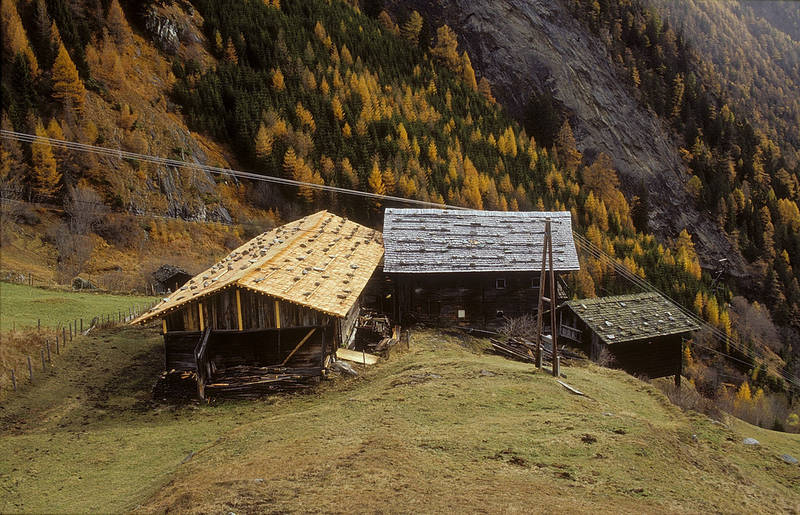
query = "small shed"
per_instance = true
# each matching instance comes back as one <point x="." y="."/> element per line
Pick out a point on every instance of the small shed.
<point x="471" y="267"/>
<point x="272" y="313"/>
<point x="169" y="278"/>
<point x="642" y="333"/>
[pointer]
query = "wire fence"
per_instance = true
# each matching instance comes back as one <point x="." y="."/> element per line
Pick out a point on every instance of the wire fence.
<point x="56" y="341"/>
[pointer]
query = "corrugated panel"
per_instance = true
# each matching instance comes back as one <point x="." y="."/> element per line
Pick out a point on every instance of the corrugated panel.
<point x="321" y="261"/>
<point x="632" y="317"/>
<point x="438" y="240"/>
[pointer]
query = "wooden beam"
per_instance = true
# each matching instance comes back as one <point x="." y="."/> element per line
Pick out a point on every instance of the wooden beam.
<point x="239" y="309"/>
<point x="163" y="326"/>
<point x="200" y="314"/>
<point x="277" y="314"/>
<point x="305" y="338"/>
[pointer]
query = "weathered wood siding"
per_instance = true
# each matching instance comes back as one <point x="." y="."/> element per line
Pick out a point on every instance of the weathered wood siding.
<point x="484" y="298"/>
<point x="179" y="350"/>
<point x="258" y="312"/>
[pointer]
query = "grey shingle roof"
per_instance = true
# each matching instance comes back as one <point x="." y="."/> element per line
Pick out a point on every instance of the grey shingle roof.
<point x="439" y="240"/>
<point x="626" y="318"/>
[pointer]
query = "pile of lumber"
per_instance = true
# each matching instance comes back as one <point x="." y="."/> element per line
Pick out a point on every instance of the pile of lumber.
<point x="247" y="382"/>
<point x="176" y="385"/>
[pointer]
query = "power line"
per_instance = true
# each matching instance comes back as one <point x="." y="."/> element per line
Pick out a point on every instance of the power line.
<point x="587" y="245"/>
<point x="123" y="154"/>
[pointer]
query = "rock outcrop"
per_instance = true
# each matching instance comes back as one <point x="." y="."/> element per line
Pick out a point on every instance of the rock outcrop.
<point x="526" y="46"/>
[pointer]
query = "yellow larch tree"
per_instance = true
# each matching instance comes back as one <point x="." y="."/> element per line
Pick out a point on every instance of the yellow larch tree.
<point x="412" y="27"/>
<point x="263" y="142"/>
<point x="47" y="179"/>
<point x="277" y="80"/>
<point x="468" y="72"/>
<point x="15" y="41"/>
<point x="485" y="89"/>
<point x="67" y="86"/>
<point x="446" y="48"/>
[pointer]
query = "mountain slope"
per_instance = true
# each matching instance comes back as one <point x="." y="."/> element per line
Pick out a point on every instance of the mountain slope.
<point x="527" y="48"/>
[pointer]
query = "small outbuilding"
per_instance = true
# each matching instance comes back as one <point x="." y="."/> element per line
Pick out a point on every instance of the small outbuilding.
<point x="272" y="313"/>
<point x="471" y="267"/>
<point x="641" y="333"/>
<point x="168" y="278"/>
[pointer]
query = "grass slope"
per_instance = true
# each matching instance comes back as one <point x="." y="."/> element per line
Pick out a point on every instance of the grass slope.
<point x="439" y="428"/>
<point x="22" y="305"/>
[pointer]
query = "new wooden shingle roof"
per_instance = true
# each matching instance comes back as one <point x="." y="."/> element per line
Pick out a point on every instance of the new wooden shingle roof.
<point x="322" y="262"/>
<point x="439" y="240"/>
<point x="626" y="318"/>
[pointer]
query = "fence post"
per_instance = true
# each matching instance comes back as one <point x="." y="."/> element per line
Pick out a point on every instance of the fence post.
<point x="44" y="367"/>
<point x="81" y="325"/>
<point x="30" y="369"/>
<point x="14" y="379"/>
<point x="63" y="334"/>
<point x="38" y="325"/>
<point x="58" y="350"/>
<point x="75" y="325"/>
<point x="70" y="331"/>
<point x="47" y="345"/>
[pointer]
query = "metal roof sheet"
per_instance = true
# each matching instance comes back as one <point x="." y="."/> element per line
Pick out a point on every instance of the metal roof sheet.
<point x="624" y="318"/>
<point x="321" y="261"/>
<point x="441" y="240"/>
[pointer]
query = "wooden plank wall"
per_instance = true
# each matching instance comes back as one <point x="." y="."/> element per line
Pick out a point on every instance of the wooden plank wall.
<point x="437" y="298"/>
<point x="179" y="350"/>
<point x="258" y="312"/>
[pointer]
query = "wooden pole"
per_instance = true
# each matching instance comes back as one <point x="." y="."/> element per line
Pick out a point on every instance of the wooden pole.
<point x="58" y="350"/>
<point x="553" y="302"/>
<point x="277" y="315"/>
<point x="70" y="331"/>
<point x="81" y="325"/>
<point x="200" y="314"/>
<point x="540" y="303"/>
<point x="30" y="369"/>
<point x="14" y="379"/>
<point x="163" y="326"/>
<point x="38" y="325"/>
<point x="47" y="345"/>
<point x="44" y="367"/>
<point x="63" y="334"/>
<point x="239" y="309"/>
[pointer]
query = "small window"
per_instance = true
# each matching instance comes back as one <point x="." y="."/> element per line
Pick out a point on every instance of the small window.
<point x="462" y="313"/>
<point x="535" y="282"/>
<point x="500" y="284"/>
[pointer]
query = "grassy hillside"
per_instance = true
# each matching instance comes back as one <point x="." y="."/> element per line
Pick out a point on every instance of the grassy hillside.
<point x="21" y="306"/>
<point x="440" y="427"/>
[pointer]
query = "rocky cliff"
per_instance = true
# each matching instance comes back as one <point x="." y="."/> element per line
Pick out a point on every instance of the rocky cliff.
<point x="526" y="46"/>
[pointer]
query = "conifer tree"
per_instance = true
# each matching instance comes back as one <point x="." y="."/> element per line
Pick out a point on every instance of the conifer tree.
<point x="15" y="40"/>
<point x="230" y="53"/>
<point x="263" y="142"/>
<point x="485" y="89"/>
<point x="47" y="179"/>
<point x="446" y="48"/>
<point x="118" y="24"/>
<point x="289" y="163"/>
<point x="412" y="27"/>
<point x="67" y="86"/>
<point x="468" y="72"/>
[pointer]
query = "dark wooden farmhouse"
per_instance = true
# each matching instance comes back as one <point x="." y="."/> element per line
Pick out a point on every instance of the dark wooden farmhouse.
<point x="470" y="267"/>
<point x="272" y="313"/>
<point x="641" y="333"/>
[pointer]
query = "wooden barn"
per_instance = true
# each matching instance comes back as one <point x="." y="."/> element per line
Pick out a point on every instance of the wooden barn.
<point x="272" y="313"/>
<point x="470" y="267"/>
<point x="641" y="333"/>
